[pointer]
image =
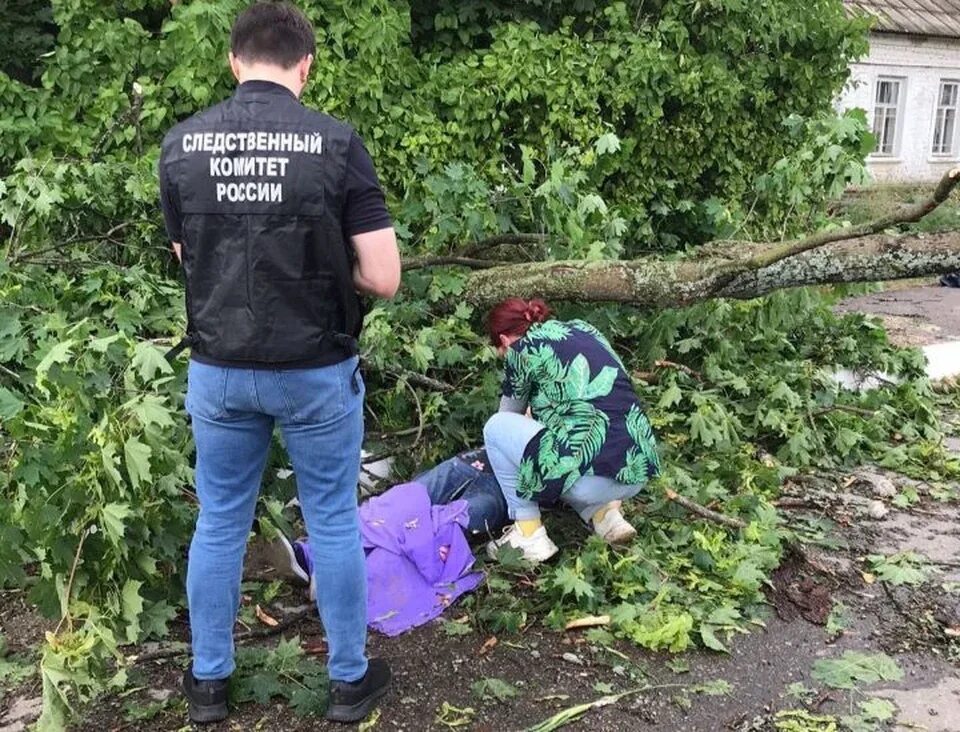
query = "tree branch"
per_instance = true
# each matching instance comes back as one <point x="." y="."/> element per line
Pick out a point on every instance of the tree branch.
<point x="422" y="262"/>
<point x="665" y="283"/>
<point x="703" y="511"/>
<point x="744" y="271"/>
<point x="904" y="215"/>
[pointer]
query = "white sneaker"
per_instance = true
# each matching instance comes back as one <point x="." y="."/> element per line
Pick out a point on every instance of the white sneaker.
<point x="614" y="528"/>
<point x="537" y="547"/>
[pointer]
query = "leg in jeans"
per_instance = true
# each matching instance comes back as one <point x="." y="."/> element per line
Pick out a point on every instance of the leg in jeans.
<point x="455" y="479"/>
<point x="322" y="424"/>
<point x="592" y="493"/>
<point x="232" y="440"/>
<point x="505" y="436"/>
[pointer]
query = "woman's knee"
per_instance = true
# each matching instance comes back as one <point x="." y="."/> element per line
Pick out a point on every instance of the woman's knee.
<point x="493" y="430"/>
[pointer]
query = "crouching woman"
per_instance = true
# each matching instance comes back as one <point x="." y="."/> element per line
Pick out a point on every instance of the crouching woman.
<point x="586" y="441"/>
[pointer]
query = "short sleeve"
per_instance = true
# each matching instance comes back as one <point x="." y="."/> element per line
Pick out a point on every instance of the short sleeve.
<point x="517" y="376"/>
<point x="170" y="204"/>
<point x="364" y="205"/>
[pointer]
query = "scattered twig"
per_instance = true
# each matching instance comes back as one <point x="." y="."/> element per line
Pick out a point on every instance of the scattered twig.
<point x="182" y="649"/>
<point x="501" y="239"/>
<point x="703" y="511"/>
<point x="68" y="590"/>
<point x="427" y="382"/>
<point x="406" y="432"/>
<point x="653" y="377"/>
<point x="572" y="714"/>
<point x="378" y="456"/>
<point x="590" y="621"/>
<point x="420" y="418"/>
<point x="844" y="408"/>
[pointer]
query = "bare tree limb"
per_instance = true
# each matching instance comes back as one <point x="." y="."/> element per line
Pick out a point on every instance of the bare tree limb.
<point x="703" y="511"/>
<point x="469" y="262"/>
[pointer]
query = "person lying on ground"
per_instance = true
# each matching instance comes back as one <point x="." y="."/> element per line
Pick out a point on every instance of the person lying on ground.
<point x="466" y="476"/>
<point x="587" y="441"/>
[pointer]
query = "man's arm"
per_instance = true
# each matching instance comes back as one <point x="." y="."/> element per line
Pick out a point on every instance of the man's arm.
<point x="368" y="227"/>
<point x="377" y="268"/>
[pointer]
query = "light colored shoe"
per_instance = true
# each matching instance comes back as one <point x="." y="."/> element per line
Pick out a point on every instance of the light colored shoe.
<point x="614" y="528"/>
<point x="538" y="547"/>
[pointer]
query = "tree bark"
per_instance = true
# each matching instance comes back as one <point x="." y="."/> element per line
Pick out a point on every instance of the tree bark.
<point x="663" y="283"/>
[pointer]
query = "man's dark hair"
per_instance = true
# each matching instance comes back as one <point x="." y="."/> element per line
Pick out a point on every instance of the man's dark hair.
<point x="273" y="33"/>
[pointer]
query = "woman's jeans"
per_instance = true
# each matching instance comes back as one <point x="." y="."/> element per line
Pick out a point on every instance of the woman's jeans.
<point x="320" y="415"/>
<point x="506" y="435"/>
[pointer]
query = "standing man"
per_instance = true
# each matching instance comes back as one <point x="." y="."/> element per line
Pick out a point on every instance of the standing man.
<point x="278" y="218"/>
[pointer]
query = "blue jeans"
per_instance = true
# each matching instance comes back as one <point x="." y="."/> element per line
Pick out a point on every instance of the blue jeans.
<point x="455" y="479"/>
<point x="320" y="415"/>
<point x="506" y="435"/>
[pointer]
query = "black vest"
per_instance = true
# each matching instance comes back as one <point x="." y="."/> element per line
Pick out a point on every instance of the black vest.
<point x="260" y="180"/>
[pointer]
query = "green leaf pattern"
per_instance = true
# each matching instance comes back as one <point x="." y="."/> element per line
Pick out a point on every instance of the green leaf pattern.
<point x="563" y="396"/>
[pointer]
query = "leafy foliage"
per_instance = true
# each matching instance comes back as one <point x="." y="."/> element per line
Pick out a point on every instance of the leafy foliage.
<point x="853" y="669"/>
<point x="612" y="128"/>
<point x="493" y="689"/>
<point x="283" y="671"/>
<point x="902" y="568"/>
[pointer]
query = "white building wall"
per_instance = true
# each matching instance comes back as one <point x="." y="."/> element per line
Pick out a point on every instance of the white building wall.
<point x="923" y="63"/>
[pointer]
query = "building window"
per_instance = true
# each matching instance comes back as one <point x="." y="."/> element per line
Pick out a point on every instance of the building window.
<point x="887" y="112"/>
<point x="945" y="122"/>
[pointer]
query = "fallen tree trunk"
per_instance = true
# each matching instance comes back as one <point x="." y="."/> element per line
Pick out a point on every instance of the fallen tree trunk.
<point x="740" y="270"/>
<point x="665" y="283"/>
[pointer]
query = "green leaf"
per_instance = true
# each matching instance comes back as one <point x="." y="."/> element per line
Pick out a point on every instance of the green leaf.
<point x="137" y="459"/>
<point x="878" y="709"/>
<point x="493" y="689"/>
<point x="703" y="430"/>
<point x="132" y="607"/>
<point x="903" y="568"/>
<point x="607" y="143"/>
<point x="110" y="460"/>
<point x="671" y="396"/>
<point x="455" y="629"/>
<point x="854" y="668"/>
<point x="716" y="687"/>
<point x="10" y="404"/>
<point x="152" y="409"/>
<point x="58" y="353"/>
<point x="571" y="582"/>
<point x="710" y="640"/>
<point x="112" y="517"/>
<point x="148" y="360"/>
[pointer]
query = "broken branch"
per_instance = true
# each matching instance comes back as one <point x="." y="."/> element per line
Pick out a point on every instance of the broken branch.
<point x="703" y="511"/>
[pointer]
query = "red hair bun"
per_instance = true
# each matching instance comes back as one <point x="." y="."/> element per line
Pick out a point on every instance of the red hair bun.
<point x="514" y="316"/>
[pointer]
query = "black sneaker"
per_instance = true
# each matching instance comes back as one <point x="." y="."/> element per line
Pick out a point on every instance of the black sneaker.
<point x="352" y="702"/>
<point x="207" y="699"/>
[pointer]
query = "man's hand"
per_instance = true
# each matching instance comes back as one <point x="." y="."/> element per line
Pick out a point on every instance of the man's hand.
<point x="377" y="269"/>
<point x="178" y="250"/>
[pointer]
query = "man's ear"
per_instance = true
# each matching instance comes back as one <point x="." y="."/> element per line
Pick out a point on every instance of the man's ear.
<point x="305" y="63"/>
<point x="234" y="65"/>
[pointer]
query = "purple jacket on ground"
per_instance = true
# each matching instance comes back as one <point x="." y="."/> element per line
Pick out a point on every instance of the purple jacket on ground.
<point x="418" y="559"/>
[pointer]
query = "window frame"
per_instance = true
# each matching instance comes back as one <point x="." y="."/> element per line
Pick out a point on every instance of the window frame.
<point x="898" y="109"/>
<point x="951" y="153"/>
